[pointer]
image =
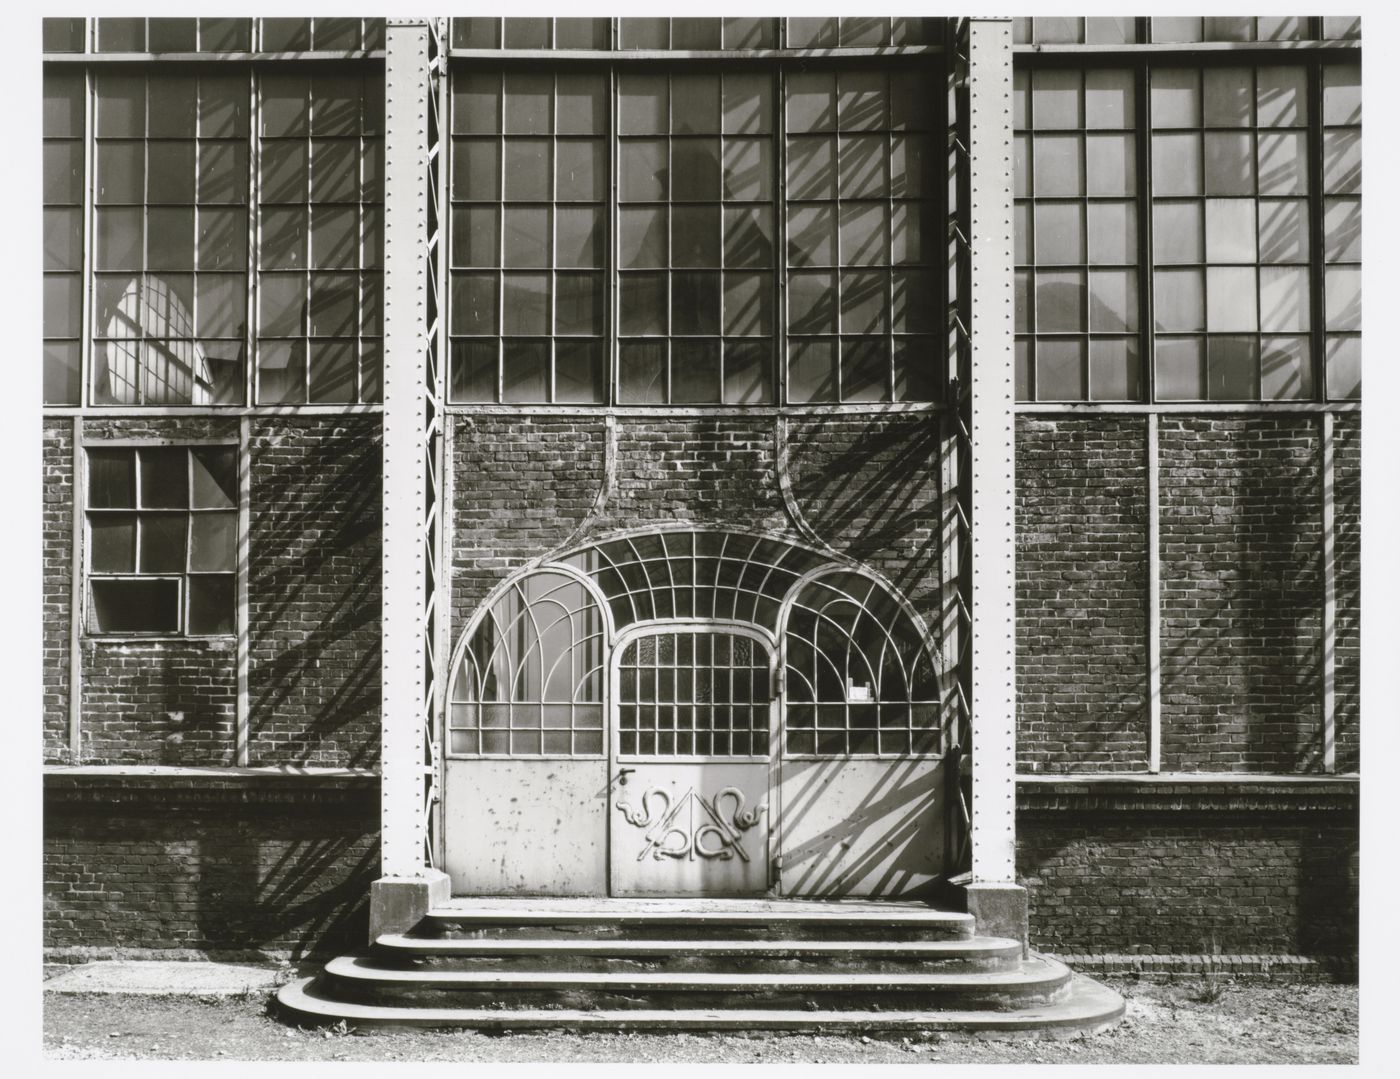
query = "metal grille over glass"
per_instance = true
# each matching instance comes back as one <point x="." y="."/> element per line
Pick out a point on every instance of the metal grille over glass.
<point x="170" y="238"/>
<point x="695" y="575"/>
<point x="319" y="260"/>
<point x="529" y="682"/>
<point x="858" y="678"/>
<point x="693" y="693"/>
<point x="1076" y="236"/>
<point x="162" y="523"/>
<point x="529" y="233"/>
<point x="861" y="237"/>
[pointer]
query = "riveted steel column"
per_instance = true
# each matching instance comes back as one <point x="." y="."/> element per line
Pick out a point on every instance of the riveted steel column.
<point x="403" y="692"/>
<point x="992" y="402"/>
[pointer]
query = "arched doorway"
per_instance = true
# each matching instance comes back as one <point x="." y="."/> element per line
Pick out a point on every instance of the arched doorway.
<point x="694" y="713"/>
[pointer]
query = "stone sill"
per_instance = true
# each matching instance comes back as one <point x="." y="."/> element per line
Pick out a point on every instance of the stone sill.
<point x="154" y="786"/>
<point x="1187" y="792"/>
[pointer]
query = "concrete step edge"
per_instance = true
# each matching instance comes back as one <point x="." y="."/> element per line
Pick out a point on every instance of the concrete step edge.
<point x="1088" y="1007"/>
<point x="951" y="948"/>
<point x="536" y="917"/>
<point x="1036" y="972"/>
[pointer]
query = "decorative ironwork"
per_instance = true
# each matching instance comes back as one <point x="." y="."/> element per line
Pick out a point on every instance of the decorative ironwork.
<point x="673" y="833"/>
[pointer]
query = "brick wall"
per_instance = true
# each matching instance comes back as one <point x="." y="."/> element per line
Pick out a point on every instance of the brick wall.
<point x="868" y="485"/>
<point x="1258" y="880"/>
<point x="1081" y="594"/>
<point x="523" y="485"/>
<point x="1346" y="466"/>
<point x="58" y="581"/>
<point x="1241" y="593"/>
<point x="280" y="864"/>
<point x="313" y="591"/>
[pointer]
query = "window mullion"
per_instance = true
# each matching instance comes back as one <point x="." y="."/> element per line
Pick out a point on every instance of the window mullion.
<point x="1146" y="284"/>
<point x="1317" y="272"/>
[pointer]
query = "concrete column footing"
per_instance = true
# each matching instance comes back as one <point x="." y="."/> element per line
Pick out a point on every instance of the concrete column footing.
<point x="397" y="904"/>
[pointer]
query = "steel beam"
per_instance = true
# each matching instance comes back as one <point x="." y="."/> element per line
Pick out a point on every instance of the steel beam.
<point x="993" y="466"/>
<point x="404" y="676"/>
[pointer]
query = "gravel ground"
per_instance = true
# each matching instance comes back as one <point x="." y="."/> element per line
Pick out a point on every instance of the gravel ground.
<point x="1165" y="1024"/>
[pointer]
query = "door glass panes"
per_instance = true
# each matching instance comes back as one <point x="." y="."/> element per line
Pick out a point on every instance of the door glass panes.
<point x="319" y="263"/>
<point x="1231" y="250"/>
<point x="529" y="237"/>
<point x="861" y="231"/>
<point x="529" y="682"/>
<point x="1076" y="226"/>
<point x="695" y="251"/>
<point x="1341" y="200"/>
<point x="170" y="234"/>
<point x="693" y="694"/>
<point x="162" y="540"/>
<point x="64" y="103"/>
<point x="859" y="678"/>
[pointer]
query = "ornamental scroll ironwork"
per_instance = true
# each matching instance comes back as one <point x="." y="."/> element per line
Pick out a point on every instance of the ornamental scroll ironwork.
<point x="667" y="838"/>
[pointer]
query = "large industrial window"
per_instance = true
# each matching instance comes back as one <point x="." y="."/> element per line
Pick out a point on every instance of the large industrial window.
<point x="162" y="527"/>
<point x="683" y="235"/>
<point x="212" y="231"/>
<point x="1188" y="232"/>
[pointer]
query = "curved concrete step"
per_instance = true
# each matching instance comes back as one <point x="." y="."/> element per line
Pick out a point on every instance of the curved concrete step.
<point x="875" y="956"/>
<point x="1085" y="1007"/>
<point x="375" y="980"/>
<point x="694" y="919"/>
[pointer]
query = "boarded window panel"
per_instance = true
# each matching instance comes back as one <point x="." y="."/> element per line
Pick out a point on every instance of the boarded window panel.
<point x="1230" y="230"/>
<point x="1283" y="163"/>
<point x="641" y="372"/>
<point x="1228" y="94"/>
<point x="1179" y="300"/>
<point x="812" y="371"/>
<point x="1285" y="370"/>
<point x="1179" y="368"/>
<point x="1284" y="299"/>
<point x="1343" y="368"/>
<point x="1060" y="370"/>
<point x="1283" y="230"/>
<point x="1176" y="164"/>
<point x="1109" y="97"/>
<point x="1176" y="97"/>
<point x="1282" y="94"/>
<point x="1232" y="368"/>
<point x="1229" y="163"/>
<point x="113" y="539"/>
<point x="1059" y="302"/>
<point x="1342" y="229"/>
<point x="1341" y="162"/>
<point x="525" y="371"/>
<point x="1057" y="99"/>
<point x="1114" y="370"/>
<point x="1112" y="232"/>
<point x="1058" y="165"/>
<point x="1343" y="286"/>
<point x="1111" y="165"/>
<point x="1113" y="301"/>
<point x="1341" y="94"/>
<point x="136" y="605"/>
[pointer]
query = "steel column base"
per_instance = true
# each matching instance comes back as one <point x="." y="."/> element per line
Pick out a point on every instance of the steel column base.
<point x="397" y="904"/>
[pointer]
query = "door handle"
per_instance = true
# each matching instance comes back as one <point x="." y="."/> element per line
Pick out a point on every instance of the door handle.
<point x="622" y="774"/>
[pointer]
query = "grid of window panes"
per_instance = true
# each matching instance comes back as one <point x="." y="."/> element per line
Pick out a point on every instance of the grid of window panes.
<point x="1341" y="199"/>
<point x="161" y="548"/>
<point x="1174" y="29"/>
<point x="863" y="240"/>
<point x="529" y="235"/>
<point x="319" y="258"/>
<point x="64" y="181"/>
<point x="1062" y="30"/>
<point x="1231" y="280"/>
<point x="693" y="694"/>
<point x="695" y="250"/>
<point x="697" y="34"/>
<point x="1076" y="235"/>
<point x="159" y="35"/>
<point x="170" y="233"/>
<point x="1120" y="30"/>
